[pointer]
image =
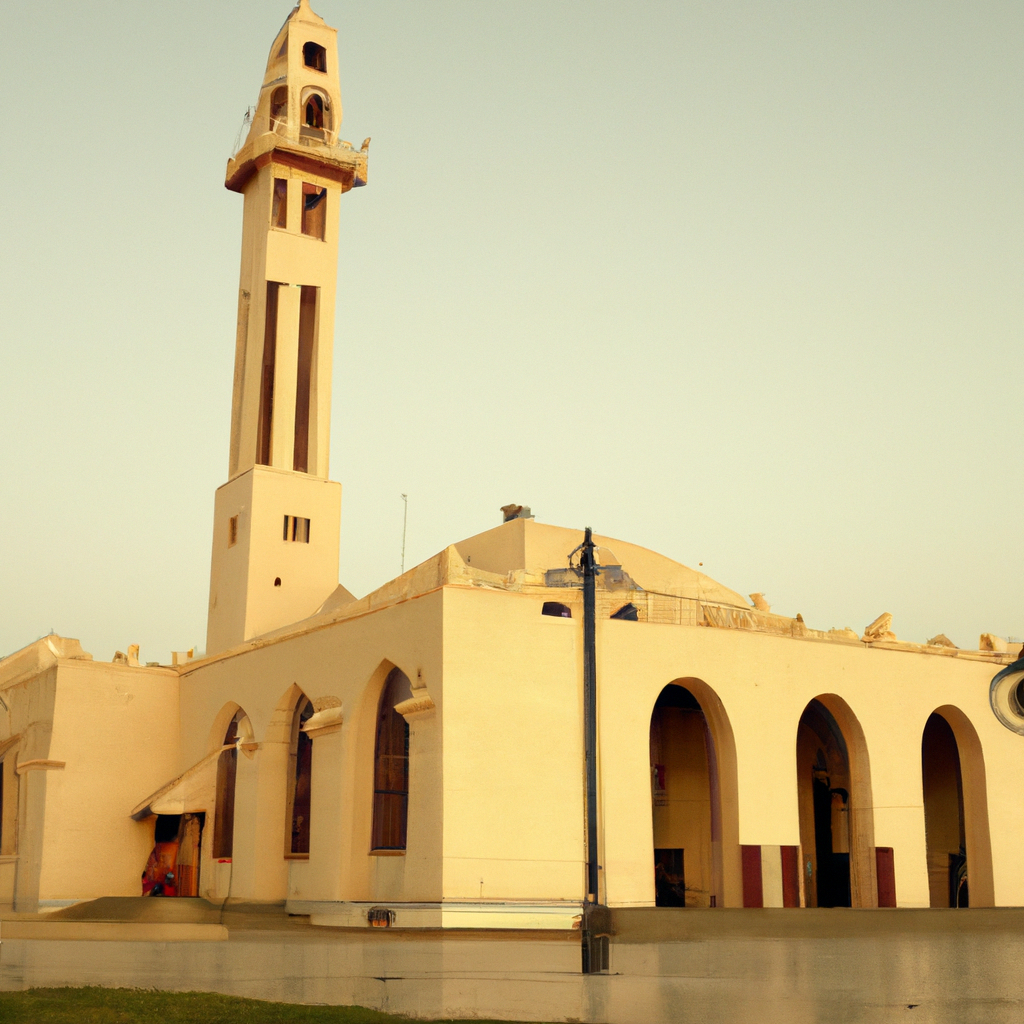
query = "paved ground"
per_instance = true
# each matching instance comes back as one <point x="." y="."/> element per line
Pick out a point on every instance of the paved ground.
<point x="666" y="966"/>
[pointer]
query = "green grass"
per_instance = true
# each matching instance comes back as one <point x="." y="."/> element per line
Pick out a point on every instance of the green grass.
<point x="139" y="1006"/>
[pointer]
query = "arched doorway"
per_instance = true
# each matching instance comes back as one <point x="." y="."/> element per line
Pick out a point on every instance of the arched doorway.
<point x="944" y="824"/>
<point x="956" y="812"/>
<point x="834" y="794"/>
<point x="687" y="806"/>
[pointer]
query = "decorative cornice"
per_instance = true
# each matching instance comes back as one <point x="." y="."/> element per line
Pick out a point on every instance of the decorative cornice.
<point x="418" y="704"/>
<point x="323" y="722"/>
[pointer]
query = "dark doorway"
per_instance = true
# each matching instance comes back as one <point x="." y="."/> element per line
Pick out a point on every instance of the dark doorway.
<point x="833" y="881"/>
<point x="685" y="801"/>
<point x="945" y="835"/>
<point x="669" y="887"/>
<point x="824" y="797"/>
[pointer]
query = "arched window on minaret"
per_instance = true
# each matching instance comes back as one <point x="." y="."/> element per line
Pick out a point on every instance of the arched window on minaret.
<point x="279" y="108"/>
<point x="300" y="775"/>
<point x="316" y="112"/>
<point x="391" y="766"/>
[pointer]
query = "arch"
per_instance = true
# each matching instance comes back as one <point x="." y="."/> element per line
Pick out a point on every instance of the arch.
<point x="557" y="609"/>
<point x="279" y="725"/>
<point x="215" y="740"/>
<point x="279" y="107"/>
<point x="837" y="830"/>
<point x="391" y="766"/>
<point x="956" y="799"/>
<point x="300" y="780"/>
<point x="316" y="111"/>
<point x="695" y="802"/>
<point x="238" y="730"/>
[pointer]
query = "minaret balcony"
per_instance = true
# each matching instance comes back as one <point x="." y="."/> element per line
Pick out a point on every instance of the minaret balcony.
<point x="316" y="150"/>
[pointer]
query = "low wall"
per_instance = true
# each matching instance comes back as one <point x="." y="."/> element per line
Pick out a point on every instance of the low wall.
<point x="666" y="967"/>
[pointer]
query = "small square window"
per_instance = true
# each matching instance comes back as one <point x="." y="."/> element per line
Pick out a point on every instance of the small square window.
<point x="232" y="531"/>
<point x="296" y="529"/>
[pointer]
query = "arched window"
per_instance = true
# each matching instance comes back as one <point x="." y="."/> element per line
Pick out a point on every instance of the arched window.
<point x="301" y="762"/>
<point x="279" y="107"/>
<point x="315" y="111"/>
<point x="391" y="767"/>
<point x="556" y="608"/>
<point x="227" y="768"/>
<point x="314" y="56"/>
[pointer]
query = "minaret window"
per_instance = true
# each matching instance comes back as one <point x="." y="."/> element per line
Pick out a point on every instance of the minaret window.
<point x="266" y="422"/>
<point x="314" y="56"/>
<point x="279" y="209"/>
<point x="297" y="529"/>
<point x="316" y="118"/>
<point x="314" y="210"/>
<point x="279" y="107"/>
<point x="315" y="111"/>
<point x="304" y="403"/>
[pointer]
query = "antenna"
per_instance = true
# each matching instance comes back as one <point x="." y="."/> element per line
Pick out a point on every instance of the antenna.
<point x="405" y="523"/>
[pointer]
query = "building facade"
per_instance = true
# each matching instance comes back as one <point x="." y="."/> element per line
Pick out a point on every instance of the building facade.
<point x="415" y="758"/>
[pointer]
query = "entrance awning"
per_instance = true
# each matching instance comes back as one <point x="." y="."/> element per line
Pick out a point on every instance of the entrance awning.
<point x="192" y="791"/>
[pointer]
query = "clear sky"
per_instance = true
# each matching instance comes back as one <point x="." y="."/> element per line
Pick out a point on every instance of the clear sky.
<point x="740" y="282"/>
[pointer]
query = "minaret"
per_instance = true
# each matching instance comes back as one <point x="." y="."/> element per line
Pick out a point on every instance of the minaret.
<point x="277" y="519"/>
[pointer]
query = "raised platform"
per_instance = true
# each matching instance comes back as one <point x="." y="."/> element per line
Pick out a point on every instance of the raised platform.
<point x="666" y="966"/>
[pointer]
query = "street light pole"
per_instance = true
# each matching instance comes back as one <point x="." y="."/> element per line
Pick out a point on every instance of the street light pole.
<point x="588" y="567"/>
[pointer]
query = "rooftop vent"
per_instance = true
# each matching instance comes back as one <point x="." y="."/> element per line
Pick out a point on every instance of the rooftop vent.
<point x="510" y="512"/>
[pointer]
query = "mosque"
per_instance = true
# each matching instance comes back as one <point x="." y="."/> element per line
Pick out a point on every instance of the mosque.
<point x="528" y="727"/>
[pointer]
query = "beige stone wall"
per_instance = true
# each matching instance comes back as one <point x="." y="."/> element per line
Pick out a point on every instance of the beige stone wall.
<point x="764" y="683"/>
<point x="513" y="750"/>
<point x="84" y="742"/>
<point x="245" y="598"/>
<point x="496" y="780"/>
<point x="348" y="663"/>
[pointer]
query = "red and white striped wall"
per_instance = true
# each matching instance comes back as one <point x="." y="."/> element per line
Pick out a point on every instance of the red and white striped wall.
<point x="771" y="876"/>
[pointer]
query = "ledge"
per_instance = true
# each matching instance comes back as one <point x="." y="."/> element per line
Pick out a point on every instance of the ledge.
<point x="111" y="931"/>
<point x="462" y="916"/>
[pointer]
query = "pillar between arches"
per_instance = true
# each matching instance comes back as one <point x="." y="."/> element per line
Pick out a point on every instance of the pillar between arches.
<point x="320" y="877"/>
<point x="259" y="869"/>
